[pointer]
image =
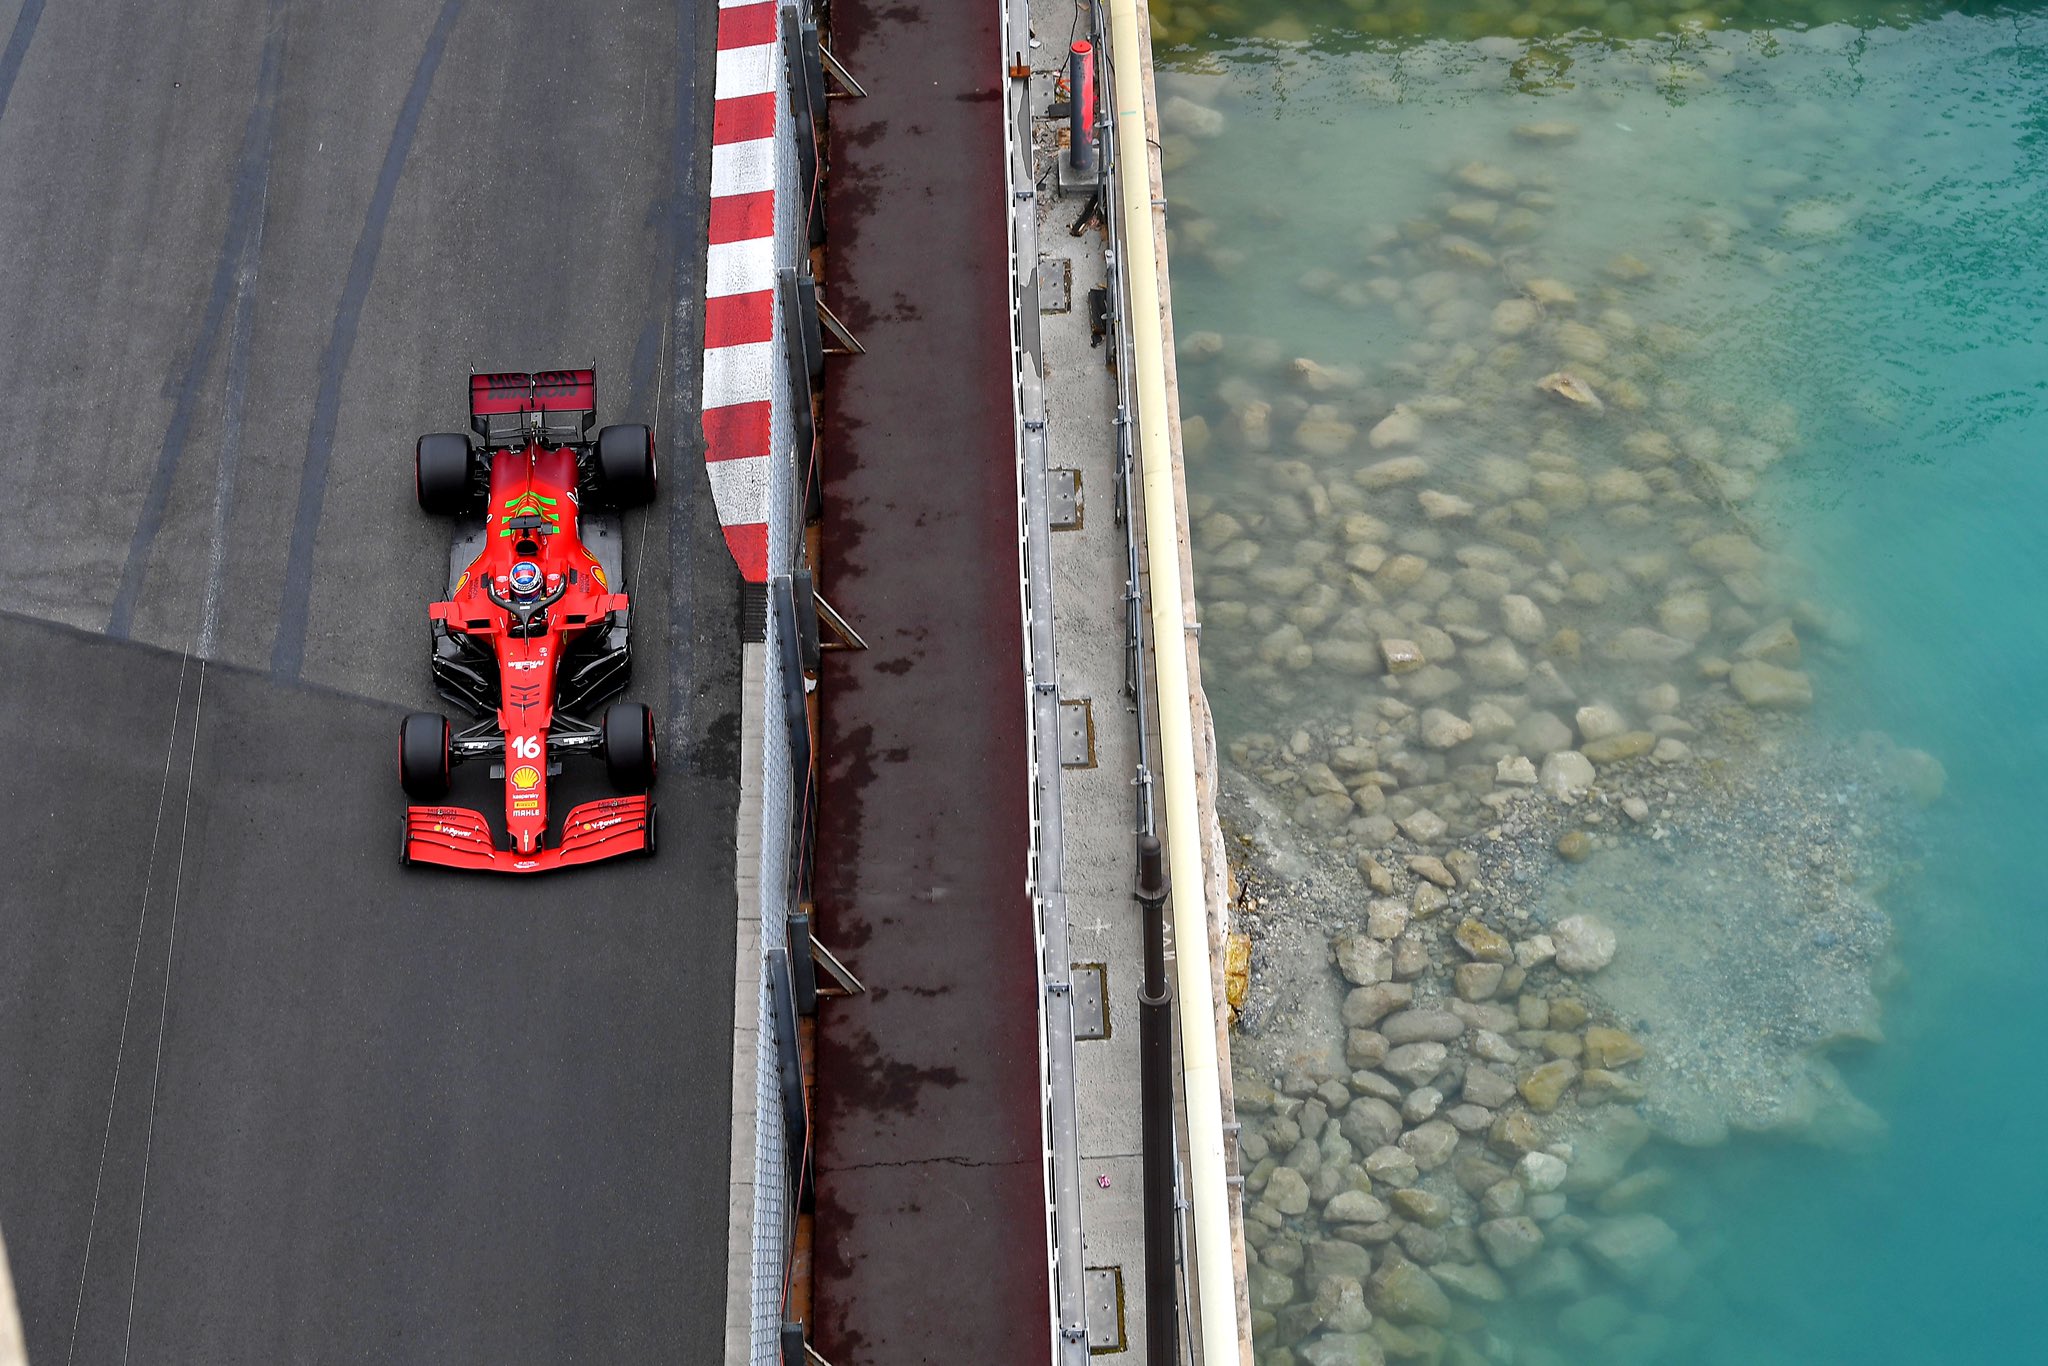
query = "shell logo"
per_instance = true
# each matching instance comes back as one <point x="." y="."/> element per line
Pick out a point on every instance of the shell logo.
<point x="525" y="777"/>
<point x="596" y="572"/>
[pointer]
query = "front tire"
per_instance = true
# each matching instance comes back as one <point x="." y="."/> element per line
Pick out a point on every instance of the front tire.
<point x="629" y="746"/>
<point x="625" y="465"/>
<point x="423" y="757"/>
<point x="444" y="474"/>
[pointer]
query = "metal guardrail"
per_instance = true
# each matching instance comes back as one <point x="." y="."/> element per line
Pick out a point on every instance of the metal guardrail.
<point x="1126" y="457"/>
<point x="1134" y="598"/>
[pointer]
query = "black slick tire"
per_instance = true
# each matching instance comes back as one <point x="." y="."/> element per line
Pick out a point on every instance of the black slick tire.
<point x="625" y="465"/>
<point x="628" y="735"/>
<point x="444" y="474"/>
<point x="423" y="759"/>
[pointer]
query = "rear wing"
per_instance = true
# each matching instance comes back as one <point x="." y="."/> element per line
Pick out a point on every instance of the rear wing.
<point x="555" y="406"/>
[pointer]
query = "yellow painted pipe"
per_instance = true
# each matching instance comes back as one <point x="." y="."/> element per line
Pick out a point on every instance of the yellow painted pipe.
<point x="1215" y="1282"/>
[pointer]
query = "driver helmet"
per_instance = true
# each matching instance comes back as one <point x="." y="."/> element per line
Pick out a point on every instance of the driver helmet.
<point x="526" y="580"/>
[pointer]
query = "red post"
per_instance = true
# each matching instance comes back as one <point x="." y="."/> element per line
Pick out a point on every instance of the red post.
<point x="1081" y="104"/>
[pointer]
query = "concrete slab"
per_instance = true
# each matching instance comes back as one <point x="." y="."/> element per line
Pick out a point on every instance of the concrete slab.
<point x="1100" y="803"/>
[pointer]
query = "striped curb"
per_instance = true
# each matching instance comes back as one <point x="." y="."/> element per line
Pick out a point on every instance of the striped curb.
<point x="739" y="276"/>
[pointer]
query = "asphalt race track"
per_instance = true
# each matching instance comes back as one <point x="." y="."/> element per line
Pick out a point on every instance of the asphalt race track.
<point x="264" y="1096"/>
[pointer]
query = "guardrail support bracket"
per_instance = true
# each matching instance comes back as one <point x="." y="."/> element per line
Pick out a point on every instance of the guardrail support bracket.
<point x="854" y="88"/>
<point x="849" y="345"/>
<point x="844" y="983"/>
<point x="845" y="637"/>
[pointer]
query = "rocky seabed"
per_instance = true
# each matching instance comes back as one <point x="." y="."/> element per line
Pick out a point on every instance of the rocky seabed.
<point x="1188" y="22"/>
<point x="1543" y="868"/>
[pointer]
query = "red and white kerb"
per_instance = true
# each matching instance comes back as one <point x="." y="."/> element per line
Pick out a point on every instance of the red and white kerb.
<point x="739" y="306"/>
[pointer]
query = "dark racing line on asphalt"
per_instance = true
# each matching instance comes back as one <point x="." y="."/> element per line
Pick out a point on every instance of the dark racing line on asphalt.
<point x="288" y="655"/>
<point x="244" y="225"/>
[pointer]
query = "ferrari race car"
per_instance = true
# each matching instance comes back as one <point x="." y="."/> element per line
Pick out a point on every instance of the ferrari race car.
<point x="536" y="632"/>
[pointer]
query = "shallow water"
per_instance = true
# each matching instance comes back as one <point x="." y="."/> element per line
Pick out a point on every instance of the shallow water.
<point x="1847" y="225"/>
<point x="1190" y="22"/>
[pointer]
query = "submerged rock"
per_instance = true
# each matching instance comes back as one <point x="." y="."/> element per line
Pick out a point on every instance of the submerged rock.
<point x="1511" y="1242"/>
<point x="1186" y="117"/>
<point x="1641" y="645"/>
<point x="1545" y="1085"/>
<point x="1363" y="960"/>
<point x="1366" y="1006"/>
<point x="1493" y="180"/>
<point x="1567" y="775"/>
<point x="1610" y="1048"/>
<point x="1776" y="643"/>
<point x="1547" y="131"/>
<point x="1444" y="730"/>
<point x="1768" y="686"/>
<point x="1496" y="663"/>
<point x="1406" y="1293"/>
<point x="1630" y="1246"/>
<point x="1631" y="744"/>
<point x="1416" y="1063"/>
<point x="1728" y="553"/>
<point x="1423" y="826"/>
<point x="1541" y="1173"/>
<point x="1513" y="317"/>
<point x="1402" y="427"/>
<point x="1484" y="944"/>
<point x="1474" y="1281"/>
<point x="1584" y="943"/>
<point x="1287" y="1191"/>
<point x="1522" y="619"/>
<point x="1572" y="390"/>
<point x="1354" y="1207"/>
<point x="1416" y="1026"/>
<point x="1401" y="656"/>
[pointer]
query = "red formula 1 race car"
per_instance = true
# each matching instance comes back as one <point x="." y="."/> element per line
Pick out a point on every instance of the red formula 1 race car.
<point x="536" y="628"/>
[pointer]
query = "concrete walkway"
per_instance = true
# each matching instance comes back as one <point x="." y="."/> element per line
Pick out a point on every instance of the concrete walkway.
<point x="929" y="1244"/>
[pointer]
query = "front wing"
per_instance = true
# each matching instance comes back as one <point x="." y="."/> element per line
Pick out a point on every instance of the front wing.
<point x="457" y="837"/>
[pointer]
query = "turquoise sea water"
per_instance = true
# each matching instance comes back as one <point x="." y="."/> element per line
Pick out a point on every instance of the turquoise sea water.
<point x="1853" y="223"/>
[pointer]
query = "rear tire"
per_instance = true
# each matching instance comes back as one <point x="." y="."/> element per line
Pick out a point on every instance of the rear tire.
<point x="444" y="474"/>
<point x="625" y="465"/>
<point x="628" y="735"/>
<point x="423" y="759"/>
